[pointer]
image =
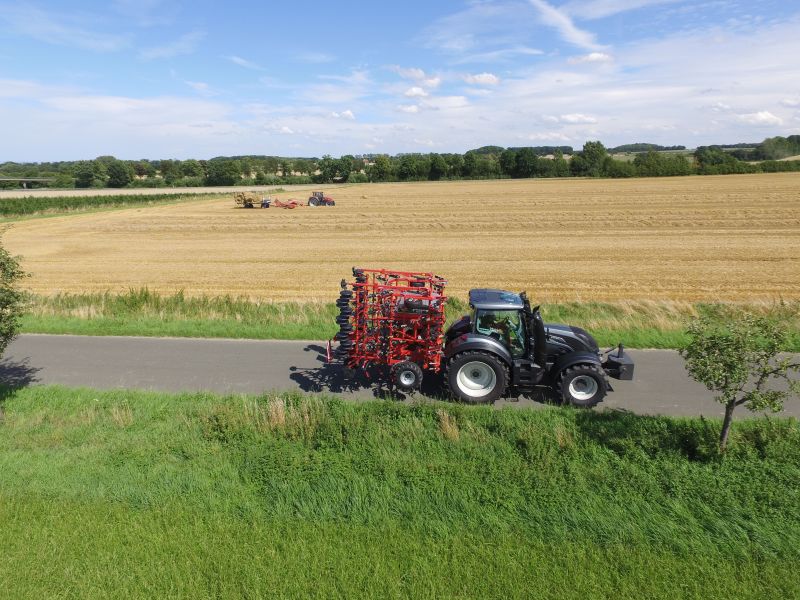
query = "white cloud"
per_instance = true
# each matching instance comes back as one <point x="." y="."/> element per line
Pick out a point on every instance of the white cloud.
<point x="287" y="130"/>
<point x="548" y="136"/>
<point x="446" y="102"/>
<point x="415" y="92"/>
<point x="410" y="72"/>
<point x="592" y="57"/>
<point x="418" y="76"/>
<point x="570" y="119"/>
<point x="60" y="29"/>
<point x="790" y="102"/>
<point x="315" y="57"/>
<point x="186" y="44"/>
<point x="562" y="23"/>
<point x="408" y="108"/>
<point x="598" y="9"/>
<point x="720" y="107"/>
<point x="201" y="88"/>
<point x="764" y="118"/>
<point x="243" y="62"/>
<point x="502" y="55"/>
<point x="482" y="79"/>
<point x="346" y="114"/>
<point x="577" y="118"/>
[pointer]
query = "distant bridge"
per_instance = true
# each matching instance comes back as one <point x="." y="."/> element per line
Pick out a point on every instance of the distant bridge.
<point x="24" y="181"/>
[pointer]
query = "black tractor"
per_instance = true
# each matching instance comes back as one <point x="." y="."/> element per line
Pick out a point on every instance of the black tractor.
<point x="320" y="199"/>
<point x="504" y="345"/>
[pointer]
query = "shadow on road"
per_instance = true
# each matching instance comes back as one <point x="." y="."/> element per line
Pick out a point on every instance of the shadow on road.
<point x="331" y="377"/>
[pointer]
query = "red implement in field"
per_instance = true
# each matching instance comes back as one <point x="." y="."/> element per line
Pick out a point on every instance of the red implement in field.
<point x="288" y="204"/>
<point x="393" y="319"/>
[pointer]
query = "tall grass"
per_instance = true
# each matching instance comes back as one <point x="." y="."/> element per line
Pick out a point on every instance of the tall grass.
<point x="133" y="494"/>
<point x="642" y="324"/>
<point x="30" y="205"/>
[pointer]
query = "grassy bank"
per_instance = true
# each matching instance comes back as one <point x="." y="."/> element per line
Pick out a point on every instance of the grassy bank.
<point x="644" y="324"/>
<point x="141" y="495"/>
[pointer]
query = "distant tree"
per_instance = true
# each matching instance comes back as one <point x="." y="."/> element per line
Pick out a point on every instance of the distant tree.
<point x="488" y="150"/>
<point x="246" y="167"/>
<point x="455" y="164"/>
<point x="90" y="173"/>
<point x="560" y="164"/>
<point x="285" y="167"/>
<point x="470" y="168"/>
<point x="413" y="167"/>
<point x="120" y="174"/>
<point x="192" y="168"/>
<point x="328" y="168"/>
<point x="344" y="166"/>
<point x="508" y="162"/>
<point x="713" y="160"/>
<point x="223" y="172"/>
<point x="594" y="156"/>
<point x="738" y="356"/>
<point x="381" y="168"/>
<point x="526" y="163"/>
<point x="438" y="167"/>
<point x="617" y="168"/>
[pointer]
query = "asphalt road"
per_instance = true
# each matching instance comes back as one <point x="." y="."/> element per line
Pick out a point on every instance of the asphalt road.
<point x="660" y="385"/>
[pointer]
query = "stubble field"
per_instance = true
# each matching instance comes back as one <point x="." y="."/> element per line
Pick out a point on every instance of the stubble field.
<point x="727" y="238"/>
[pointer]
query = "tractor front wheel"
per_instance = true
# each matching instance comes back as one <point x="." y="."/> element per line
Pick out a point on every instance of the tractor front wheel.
<point x="407" y="376"/>
<point x="477" y="377"/>
<point x="583" y="385"/>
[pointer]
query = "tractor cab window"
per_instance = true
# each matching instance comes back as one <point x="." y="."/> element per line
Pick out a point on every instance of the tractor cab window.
<point x="504" y="325"/>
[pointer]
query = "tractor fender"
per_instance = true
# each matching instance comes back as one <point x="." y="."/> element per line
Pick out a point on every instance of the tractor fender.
<point x="570" y="359"/>
<point x="482" y="343"/>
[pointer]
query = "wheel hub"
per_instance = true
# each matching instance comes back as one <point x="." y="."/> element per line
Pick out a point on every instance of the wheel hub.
<point x="476" y="379"/>
<point x="583" y="387"/>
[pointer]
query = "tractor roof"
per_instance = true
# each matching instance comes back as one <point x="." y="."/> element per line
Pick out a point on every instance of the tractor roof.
<point x="487" y="299"/>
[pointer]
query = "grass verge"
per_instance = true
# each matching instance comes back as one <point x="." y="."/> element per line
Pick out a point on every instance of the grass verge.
<point x="140" y="495"/>
<point x="643" y="324"/>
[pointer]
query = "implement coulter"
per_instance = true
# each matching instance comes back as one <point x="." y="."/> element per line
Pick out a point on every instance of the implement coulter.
<point x="394" y="321"/>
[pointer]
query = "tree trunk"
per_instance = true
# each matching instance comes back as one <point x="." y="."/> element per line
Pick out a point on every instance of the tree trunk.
<point x="726" y="425"/>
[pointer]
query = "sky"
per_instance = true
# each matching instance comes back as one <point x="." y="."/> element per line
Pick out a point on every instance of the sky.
<point x="156" y="79"/>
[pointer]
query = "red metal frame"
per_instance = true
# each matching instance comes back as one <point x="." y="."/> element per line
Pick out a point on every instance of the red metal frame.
<point x="288" y="204"/>
<point x="397" y="316"/>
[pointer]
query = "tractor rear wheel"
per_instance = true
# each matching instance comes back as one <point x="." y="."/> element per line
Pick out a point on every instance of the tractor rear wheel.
<point x="477" y="377"/>
<point x="582" y="385"/>
<point x="407" y="376"/>
<point x="313" y="201"/>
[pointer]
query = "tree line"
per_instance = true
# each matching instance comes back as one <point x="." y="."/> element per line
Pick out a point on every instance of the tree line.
<point x="488" y="162"/>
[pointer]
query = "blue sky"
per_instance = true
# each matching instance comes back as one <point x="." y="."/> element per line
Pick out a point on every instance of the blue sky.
<point x="156" y="79"/>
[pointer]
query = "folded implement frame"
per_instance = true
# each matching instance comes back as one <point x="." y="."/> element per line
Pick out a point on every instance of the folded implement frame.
<point x="391" y="319"/>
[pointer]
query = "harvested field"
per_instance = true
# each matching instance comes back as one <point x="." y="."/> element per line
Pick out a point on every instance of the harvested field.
<point x="731" y="238"/>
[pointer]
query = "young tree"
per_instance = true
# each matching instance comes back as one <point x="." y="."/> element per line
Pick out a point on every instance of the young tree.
<point x="738" y="356"/>
<point x="12" y="299"/>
